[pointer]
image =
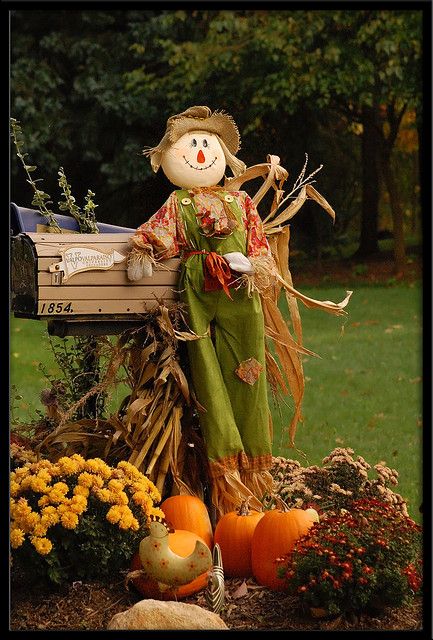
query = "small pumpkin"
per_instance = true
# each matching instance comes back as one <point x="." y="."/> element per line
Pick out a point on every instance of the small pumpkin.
<point x="233" y="533"/>
<point x="275" y="536"/>
<point x="182" y="543"/>
<point x="190" y="513"/>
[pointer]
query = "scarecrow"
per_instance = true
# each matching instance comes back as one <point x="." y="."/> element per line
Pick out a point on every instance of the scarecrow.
<point x="220" y="238"/>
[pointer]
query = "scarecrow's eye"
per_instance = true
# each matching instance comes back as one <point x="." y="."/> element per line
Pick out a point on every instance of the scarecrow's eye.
<point x="205" y="143"/>
<point x="193" y="142"/>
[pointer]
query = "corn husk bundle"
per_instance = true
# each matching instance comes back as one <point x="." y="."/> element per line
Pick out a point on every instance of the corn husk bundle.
<point x="149" y="424"/>
<point x="285" y="372"/>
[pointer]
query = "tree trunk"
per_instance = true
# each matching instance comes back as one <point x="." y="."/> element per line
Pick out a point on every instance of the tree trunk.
<point x="368" y="242"/>
<point x="397" y="213"/>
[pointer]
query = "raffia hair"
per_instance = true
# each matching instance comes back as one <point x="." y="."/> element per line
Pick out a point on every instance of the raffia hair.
<point x="236" y="165"/>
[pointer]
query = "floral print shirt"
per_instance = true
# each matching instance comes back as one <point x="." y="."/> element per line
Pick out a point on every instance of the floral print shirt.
<point x="165" y="230"/>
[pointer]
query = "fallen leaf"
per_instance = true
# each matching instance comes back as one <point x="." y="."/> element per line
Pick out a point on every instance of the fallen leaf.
<point x="365" y="323"/>
<point x="333" y="624"/>
<point x="393" y="327"/>
<point x="317" y="612"/>
<point x="415" y="380"/>
<point x="241" y="591"/>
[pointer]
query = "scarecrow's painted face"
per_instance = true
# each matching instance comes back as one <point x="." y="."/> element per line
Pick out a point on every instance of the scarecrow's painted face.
<point x="195" y="160"/>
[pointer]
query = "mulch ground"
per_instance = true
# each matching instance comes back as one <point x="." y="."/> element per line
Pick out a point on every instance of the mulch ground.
<point x="90" y="607"/>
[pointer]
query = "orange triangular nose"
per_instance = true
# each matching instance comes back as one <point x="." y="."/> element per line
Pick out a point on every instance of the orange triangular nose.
<point x="200" y="156"/>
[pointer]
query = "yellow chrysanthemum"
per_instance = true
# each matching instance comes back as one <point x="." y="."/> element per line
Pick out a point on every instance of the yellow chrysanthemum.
<point x="22" y="506"/>
<point x="17" y="537"/>
<point x="49" y="517"/>
<point x="14" y="488"/>
<point x="89" y="480"/>
<point x="81" y="491"/>
<point x="63" y="508"/>
<point x="143" y="499"/>
<point x="135" y="525"/>
<point x="114" y="514"/>
<point x="129" y="469"/>
<point x="68" y="466"/>
<point x="44" y="475"/>
<point x="26" y="482"/>
<point x="125" y="522"/>
<point x="38" y="485"/>
<point x="96" y="465"/>
<point x="69" y="520"/>
<point x="21" y="472"/>
<point x="20" y="511"/>
<point x="116" y="485"/>
<point x="49" y="511"/>
<point x="29" y="521"/>
<point x="78" y="504"/>
<point x="62" y="487"/>
<point x="43" y="501"/>
<point x="120" y="497"/>
<point x="105" y="495"/>
<point x="56" y="497"/>
<point x="42" y="545"/>
<point x="41" y="528"/>
<point x="46" y="464"/>
<point x="79" y="459"/>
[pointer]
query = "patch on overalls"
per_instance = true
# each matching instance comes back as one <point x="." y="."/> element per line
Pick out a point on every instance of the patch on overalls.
<point x="249" y="370"/>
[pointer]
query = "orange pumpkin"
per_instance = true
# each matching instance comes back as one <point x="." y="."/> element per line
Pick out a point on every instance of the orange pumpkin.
<point x="274" y="536"/>
<point x="190" y="513"/>
<point x="182" y="543"/>
<point x="233" y="533"/>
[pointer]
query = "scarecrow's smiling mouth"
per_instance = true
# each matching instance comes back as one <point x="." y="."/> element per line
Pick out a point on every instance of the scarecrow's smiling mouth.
<point x="200" y="168"/>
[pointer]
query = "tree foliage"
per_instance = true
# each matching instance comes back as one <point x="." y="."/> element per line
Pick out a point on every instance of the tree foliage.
<point x="92" y="88"/>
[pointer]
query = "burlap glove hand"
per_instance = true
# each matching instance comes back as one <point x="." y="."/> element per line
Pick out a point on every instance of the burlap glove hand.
<point x="238" y="262"/>
<point x="139" y="265"/>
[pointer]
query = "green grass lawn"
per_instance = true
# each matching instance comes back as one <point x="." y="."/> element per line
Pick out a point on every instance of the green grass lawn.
<point x="364" y="392"/>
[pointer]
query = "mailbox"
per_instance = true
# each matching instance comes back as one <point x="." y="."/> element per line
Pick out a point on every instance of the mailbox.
<point x="78" y="282"/>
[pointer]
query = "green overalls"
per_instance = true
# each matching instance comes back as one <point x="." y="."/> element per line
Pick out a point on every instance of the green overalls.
<point x="236" y="423"/>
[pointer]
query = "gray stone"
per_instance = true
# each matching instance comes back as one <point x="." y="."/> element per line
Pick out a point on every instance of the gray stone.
<point x="158" y="614"/>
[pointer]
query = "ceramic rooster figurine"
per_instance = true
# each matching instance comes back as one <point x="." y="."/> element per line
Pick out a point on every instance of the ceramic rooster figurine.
<point x="166" y="567"/>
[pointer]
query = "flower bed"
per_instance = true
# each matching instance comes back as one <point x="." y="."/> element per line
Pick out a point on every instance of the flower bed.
<point x="76" y="518"/>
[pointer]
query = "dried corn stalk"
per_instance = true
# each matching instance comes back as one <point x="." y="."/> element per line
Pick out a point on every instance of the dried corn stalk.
<point x="269" y="281"/>
<point x="147" y="428"/>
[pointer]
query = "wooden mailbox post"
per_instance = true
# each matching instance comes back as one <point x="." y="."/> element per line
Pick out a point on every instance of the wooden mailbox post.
<point x="78" y="282"/>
